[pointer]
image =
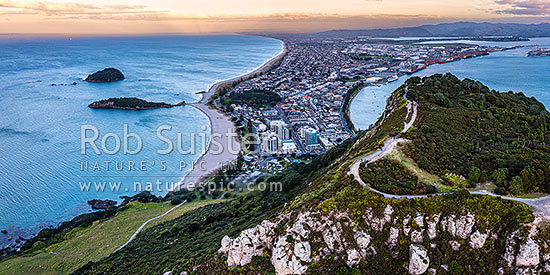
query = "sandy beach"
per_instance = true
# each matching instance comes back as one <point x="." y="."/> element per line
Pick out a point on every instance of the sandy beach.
<point x="208" y="163"/>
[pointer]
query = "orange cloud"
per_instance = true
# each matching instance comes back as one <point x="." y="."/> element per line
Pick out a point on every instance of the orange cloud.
<point x="525" y="7"/>
<point x="72" y="17"/>
<point x="67" y="8"/>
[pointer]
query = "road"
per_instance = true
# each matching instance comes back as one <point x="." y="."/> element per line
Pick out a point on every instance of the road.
<point x="542" y="205"/>
<point x="388" y="147"/>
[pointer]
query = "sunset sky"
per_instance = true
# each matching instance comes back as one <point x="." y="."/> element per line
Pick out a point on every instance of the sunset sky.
<point x="217" y="16"/>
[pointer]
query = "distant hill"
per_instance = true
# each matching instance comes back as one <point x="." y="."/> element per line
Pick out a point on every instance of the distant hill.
<point x="459" y="29"/>
<point x="485" y="29"/>
<point x="396" y="32"/>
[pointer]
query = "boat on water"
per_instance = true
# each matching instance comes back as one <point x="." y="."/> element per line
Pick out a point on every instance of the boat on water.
<point x="539" y="52"/>
<point x="393" y="78"/>
<point x="445" y="61"/>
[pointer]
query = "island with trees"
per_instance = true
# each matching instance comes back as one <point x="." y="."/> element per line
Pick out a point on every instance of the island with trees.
<point x="130" y="103"/>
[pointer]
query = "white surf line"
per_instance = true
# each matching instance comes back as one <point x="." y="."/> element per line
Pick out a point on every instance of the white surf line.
<point x="145" y="223"/>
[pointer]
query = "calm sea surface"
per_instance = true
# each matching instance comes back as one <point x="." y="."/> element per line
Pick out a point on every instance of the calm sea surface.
<point x="503" y="71"/>
<point x="41" y="165"/>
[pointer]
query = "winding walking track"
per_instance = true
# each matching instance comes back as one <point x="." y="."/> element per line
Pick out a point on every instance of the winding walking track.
<point x="542" y="205"/>
<point x="146" y="222"/>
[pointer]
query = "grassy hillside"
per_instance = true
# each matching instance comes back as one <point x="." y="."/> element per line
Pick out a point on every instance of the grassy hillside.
<point x="92" y="243"/>
<point x="390" y="176"/>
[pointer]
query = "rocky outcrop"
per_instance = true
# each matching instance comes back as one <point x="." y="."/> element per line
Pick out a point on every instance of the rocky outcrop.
<point x="101" y="204"/>
<point x="477" y="240"/>
<point x="105" y="75"/>
<point x="418" y="259"/>
<point x="459" y="227"/>
<point x="353" y="258"/>
<point x="528" y="254"/>
<point x="251" y="242"/>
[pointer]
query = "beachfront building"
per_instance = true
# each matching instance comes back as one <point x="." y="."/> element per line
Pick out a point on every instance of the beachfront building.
<point x="277" y="127"/>
<point x="288" y="147"/>
<point x="270" y="143"/>
<point x="325" y="142"/>
<point x="310" y="136"/>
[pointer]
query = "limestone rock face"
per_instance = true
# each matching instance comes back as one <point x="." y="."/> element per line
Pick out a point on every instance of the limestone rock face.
<point x="226" y="243"/>
<point x="459" y="227"/>
<point x="418" y="259"/>
<point x="510" y="251"/>
<point x="464" y="226"/>
<point x="477" y="240"/>
<point x="432" y="231"/>
<point x="363" y="240"/>
<point x="251" y="242"/>
<point x="302" y="250"/>
<point x="528" y="254"/>
<point x="291" y="239"/>
<point x="286" y="262"/>
<point x="416" y="236"/>
<point x="353" y="258"/>
<point x="392" y="239"/>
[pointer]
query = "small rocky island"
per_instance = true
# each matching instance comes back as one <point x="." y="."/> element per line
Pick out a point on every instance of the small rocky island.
<point x="130" y="103"/>
<point x="105" y="75"/>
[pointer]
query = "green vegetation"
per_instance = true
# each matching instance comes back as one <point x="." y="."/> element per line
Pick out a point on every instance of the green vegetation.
<point x="254" y="97"/>
<point x="389" y="176"/>
<point x="409" y="164"/>
<point x="467" y="129"/>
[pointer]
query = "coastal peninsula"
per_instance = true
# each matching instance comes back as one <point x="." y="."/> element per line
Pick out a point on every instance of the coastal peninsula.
<point x="105" y="75"/>
<point x="130" y="103"/>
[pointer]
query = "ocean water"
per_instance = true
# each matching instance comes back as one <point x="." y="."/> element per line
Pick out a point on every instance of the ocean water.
<point x="509" y="70"/>
<point x="43" y="175"/>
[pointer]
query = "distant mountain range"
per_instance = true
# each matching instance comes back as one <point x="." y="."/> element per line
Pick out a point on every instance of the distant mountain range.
<point x="458" y="29"/>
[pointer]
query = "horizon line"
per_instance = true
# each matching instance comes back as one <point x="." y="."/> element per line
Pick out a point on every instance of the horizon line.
<point x="256" y="32"/>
